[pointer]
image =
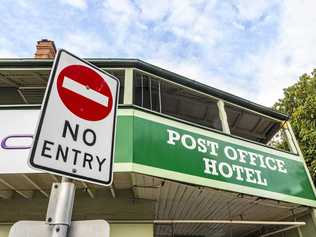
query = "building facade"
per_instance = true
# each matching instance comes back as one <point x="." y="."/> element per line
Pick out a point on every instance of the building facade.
<point x="190" y="160"/>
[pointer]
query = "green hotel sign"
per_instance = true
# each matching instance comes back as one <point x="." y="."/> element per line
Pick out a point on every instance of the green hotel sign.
<point x="161" y="146"/>
<point x="170" y="149"/>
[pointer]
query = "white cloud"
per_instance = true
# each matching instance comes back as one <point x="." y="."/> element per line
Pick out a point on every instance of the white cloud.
<point x="194" y="21"/>
<point x="250" y="48"/>
<point x="293" y="54"/>
<point x="196" y="29"/>
<point x="84" y="44"/>
<point x="80" y="4"/>
<point x="153" y="10"/>
<point x="6" y="49"/>
<point x="252" y="10"/>
<point x="7" y="54"/>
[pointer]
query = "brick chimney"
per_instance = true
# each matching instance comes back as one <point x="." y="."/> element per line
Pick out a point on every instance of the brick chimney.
<point x="45" y="49"/>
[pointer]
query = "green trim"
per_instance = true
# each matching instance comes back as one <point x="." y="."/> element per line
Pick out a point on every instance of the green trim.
<point x="123" y="167"/>
<point x="300" y="153"/>
<point x="167" y="120"/>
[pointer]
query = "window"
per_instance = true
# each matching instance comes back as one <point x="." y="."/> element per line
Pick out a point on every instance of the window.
<point x="147" y="92"/>
<point x="30" y="86"/>
<point x="250" y="125"/>
<point x="175" y="100"/>
<point x="180" y="102"/>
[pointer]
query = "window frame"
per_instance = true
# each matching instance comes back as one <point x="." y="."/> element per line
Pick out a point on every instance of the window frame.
<point x="224" y="123"/>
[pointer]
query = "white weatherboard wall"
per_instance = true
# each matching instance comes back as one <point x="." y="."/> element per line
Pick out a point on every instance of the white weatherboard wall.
<point x="16" y="122"/>
<point x="131" y="230"/>
<point x="4" y="230"/>
<point x="116" y="230"/>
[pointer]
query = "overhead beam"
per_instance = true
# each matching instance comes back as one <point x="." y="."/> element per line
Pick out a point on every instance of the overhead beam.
<point x="280" y="231"/>
<point x="239" y="116"/>
<point x="256" y="125"/>
<point x="89" y="190"/>
<point x="112" y="191"/>
<point x="41" y="77"/>
<point x="25" y="194"/>
<point x="22" y="96"/>
<point x="6" y="194"/>
<point x="32" y="87"/>
<point x="9" y="80"/>
<point x="35" y="185"/>
<point x="247" y="133"/>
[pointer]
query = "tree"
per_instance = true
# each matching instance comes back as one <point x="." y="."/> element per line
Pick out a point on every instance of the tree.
<point x="300" y="103"/>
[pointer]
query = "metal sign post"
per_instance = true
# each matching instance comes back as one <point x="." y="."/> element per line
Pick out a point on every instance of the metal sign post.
<point x="74" y="138"/>
<point x="60" y="207"/>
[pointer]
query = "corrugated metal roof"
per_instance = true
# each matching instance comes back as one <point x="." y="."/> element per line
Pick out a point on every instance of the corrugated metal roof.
<point x="172" y="201"/>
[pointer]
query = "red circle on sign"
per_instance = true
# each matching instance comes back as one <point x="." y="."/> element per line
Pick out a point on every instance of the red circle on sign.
<point x="84" y="92"/>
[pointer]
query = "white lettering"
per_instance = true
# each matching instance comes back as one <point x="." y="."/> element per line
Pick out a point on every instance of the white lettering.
<point x="239" y="170"/>
<point x="229" y="170"/>
<point x="242" y="155"/>
<point x="271" y="163"/>
<point x="201" y="145"/>
<point x="230" y="153"/>
<point x="210" y="166"/>
<point x="250" y="175"/>
<point x="173" y="136"/>
<point x="191" y="145"/>
<point x="214" y="148"/>
<point x="281" y="166"/>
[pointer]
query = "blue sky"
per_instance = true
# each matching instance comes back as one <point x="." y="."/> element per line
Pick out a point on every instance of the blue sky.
<point x="250" y="48"/>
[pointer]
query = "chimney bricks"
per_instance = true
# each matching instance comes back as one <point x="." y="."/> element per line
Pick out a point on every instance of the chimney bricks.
<point x="45" y="49"/>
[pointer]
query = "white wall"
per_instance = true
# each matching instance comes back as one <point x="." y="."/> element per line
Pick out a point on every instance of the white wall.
<point x="116" y="230"/>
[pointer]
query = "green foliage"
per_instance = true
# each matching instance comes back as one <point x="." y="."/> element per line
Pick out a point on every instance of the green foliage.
<point x="300" y="103"/>
<point x="281" y="144"/>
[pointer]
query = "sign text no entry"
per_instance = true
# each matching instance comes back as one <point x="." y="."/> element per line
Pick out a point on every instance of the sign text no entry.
<point x="76" y="129"/>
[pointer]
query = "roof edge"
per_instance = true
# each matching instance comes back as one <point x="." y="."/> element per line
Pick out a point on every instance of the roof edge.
<point x="168" y="75"/>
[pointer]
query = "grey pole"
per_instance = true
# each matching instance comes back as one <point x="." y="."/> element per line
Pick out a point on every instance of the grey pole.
<point x="60" y="207"/>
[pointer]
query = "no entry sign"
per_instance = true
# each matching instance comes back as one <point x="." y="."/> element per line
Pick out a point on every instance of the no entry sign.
<point x="84" y="92"/>
<point x="76" y="129"/>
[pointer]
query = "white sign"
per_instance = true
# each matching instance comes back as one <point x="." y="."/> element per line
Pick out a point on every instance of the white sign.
<point x="76" y="129"/>
<point x="16" y="137"/>
<point x="91" y="228"/>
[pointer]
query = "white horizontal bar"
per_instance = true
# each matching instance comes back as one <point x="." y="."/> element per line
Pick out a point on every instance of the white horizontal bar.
<point x="297" y="223"/>
<point x="292" y="224"/>
<point x="84" y="91"/>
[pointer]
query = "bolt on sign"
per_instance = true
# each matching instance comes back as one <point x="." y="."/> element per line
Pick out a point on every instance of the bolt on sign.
<point x="76" y="130"/>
